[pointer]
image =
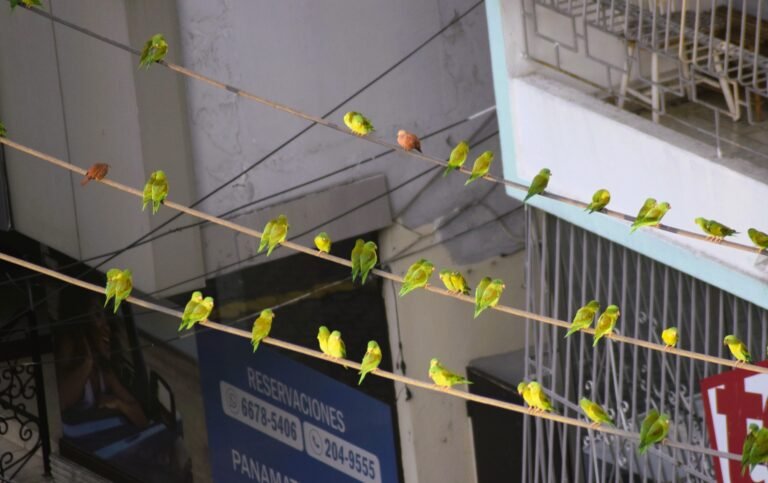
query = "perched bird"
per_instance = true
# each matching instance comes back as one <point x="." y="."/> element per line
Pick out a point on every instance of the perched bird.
<point x="539" y="184"/>
<point x="323" y="242"/>
<point x="481" y="167"/>
<point x="3" y="131"/>
<point x="584" y="317"/>
<point x="759" y="238"/>
<point x="355" y="258"/>
<point x="523" y="390"/>
<point x="654" y="429"/>
<point x="595" y="412"/>
<point x="417" y="276"/>
<point x="97" y="171"/>
<point x="444" y="377"/>
<point x="490" y="296"/>
<point x="154" y="51"/>
<point x="197" y="309"/>
<point x="746" y="449"/>
<point x="454" y="281"/>
<point x="408" y="141"/>
<point x="261" y="327"/>
<point x="539" y="398"/>
<point x="123" y="287"/>
<point x="277" y="233"/>
<point x="715" y="231"/>
<point x="357" y="123"/>
<point x="738" y="348"/>
<point x="758" y="453"/>
<point x="371" y="360"/>
<point x="265" y="235"/>
<point x="669" y="336"/>
<point x="156" y="190"/>
<point x="26" y="3"/>
<point x="652" y="217"/>
<point x="458" y="157"/>
<point x="322" y="338"/>
<point x="336" y="347"/>
<point x="600" y="200"/>
<point x="368" y="259"/>
<point x="109" y="290"/>
<point x="606" y="323"/>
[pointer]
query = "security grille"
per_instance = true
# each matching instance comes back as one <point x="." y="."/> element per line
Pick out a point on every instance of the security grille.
<point x="566" y="267"/>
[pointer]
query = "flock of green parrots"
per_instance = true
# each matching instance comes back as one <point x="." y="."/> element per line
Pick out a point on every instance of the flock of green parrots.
<point x="655" y="426"/>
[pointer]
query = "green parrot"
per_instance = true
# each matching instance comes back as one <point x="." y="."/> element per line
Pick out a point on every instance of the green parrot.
<point x="277" y="233"/>
<point x="595" y="412"/>
<point x="490" y="296"/>
<point x="357" y="123"/>
<point x="26" y="3"/>
<point x="265" y="235"/>
<point x="261" y="327"/>
<point x="368" y="259"/>
<point x="524" y="391"/>
<point x="322" y="338"/>
<point x="3" y="131"/>
<point x="442" y="377"/>
<point x="197" y="309"/>
<point x="606" y="323"/>
<point x="584" y="317"/>
<point x="323" y="242"/>
<point x="540" y="400"/>
<point x="759" y="238"/>
<point x="336" y="347"/>
<point x="417" y="276"/>
<point x="156" y="190"/>
<point x="454" y="281"/>
<point x="759" y="451"/>
<point x="539" y="184"/>
<point x="649" y="203"/>
<point x="154" y="51"/>
<point x="481" y="167"/>
<point x="458" y="157"/>
<point x="112" y="275"/>
<point x="738" y="348"/>
<point x="746" y="450"/>
<point x="654" y="429"/>
<point x="371" y="360"/>
<point x="715" y="231"/>
<point x="652" y="217"/>
<point x="600" y="200"/>
<point x="355" y="258"/>
<point x="123" y="287"/>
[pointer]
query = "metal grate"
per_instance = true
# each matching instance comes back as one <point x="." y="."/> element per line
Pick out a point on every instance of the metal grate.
<point x="566" y="267"/>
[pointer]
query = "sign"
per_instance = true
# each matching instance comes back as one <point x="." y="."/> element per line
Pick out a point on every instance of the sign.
<point x="271" y="419"/>
<point x="732" y="401"/>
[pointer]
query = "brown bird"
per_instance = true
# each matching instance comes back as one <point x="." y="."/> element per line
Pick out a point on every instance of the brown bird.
<point x="408" y="140"/>
<point x="97" y="171"/>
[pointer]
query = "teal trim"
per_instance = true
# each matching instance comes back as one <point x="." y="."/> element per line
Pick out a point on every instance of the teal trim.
<point x="643" y="241"/>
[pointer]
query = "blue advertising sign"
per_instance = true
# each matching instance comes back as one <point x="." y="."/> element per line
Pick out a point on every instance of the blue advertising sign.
<point x="271" y="419"/>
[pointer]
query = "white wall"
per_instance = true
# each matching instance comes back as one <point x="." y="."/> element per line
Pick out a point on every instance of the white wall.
<point x="435" y="433"/>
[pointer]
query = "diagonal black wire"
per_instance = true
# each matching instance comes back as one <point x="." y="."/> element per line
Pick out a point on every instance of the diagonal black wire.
<point x="133" y="51"/>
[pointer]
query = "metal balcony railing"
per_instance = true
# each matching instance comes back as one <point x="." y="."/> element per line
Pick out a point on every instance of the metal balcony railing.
<point x="660" y="54"/>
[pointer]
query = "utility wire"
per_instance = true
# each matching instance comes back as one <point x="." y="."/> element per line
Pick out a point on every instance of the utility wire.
<point x="372" y="139"/>
<point x="377" y="372"/>
<point x="387" y="275"/>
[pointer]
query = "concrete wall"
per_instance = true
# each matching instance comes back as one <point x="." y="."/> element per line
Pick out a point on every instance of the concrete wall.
<point x="435" y="432"/>
<point x="84" y="101"/>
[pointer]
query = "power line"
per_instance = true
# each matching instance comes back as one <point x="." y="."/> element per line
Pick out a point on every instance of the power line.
<point x="387" y="275"/>
<point x="322" y="121"/>
<point x="377" y="372"/>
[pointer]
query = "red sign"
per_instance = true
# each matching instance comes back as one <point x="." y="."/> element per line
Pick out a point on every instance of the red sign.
<point x="732" y="401"/>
